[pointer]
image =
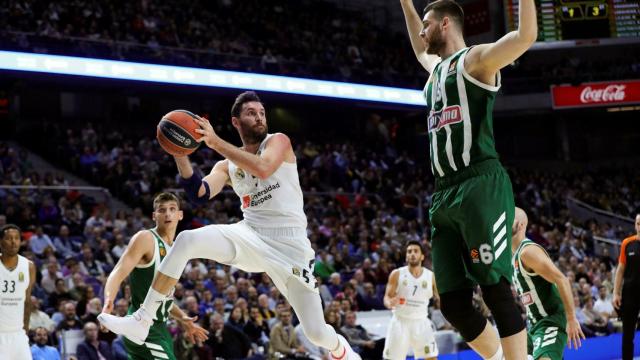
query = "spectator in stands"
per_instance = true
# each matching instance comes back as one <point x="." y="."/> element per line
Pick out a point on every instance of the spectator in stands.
<point x="38" y="318"/>
<point x="40" y="241"/>
<point x="121" y="307"/>
<point x="70" y="320"/>
<point x="40" y="350"/>
<point x="61" y="293"/>
<point x="225" y="341"/>
<point x="265" y="310"/>
<point x="50" y="275"/>
<point x="323" y="266"/>
<point x="283" y="337"/>
<point x="594" y="320"/>
<point x="604" y="305"/>
<point x="63" y="243"/>
<point x="88" y="264"/>
<point x="257" y="328"/>
<point x="119" y="351"/>
<point x="92" y="348"/>
<point x="360" y="340"/>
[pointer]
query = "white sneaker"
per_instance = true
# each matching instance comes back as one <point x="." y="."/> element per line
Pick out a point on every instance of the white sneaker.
<point x="134" y="327"/>
<point x="348" y="354"/>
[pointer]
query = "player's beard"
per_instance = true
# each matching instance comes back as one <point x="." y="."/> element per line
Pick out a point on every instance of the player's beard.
<point x="254" y="134"/>
<point x="414" y="263"/>
<point x="435" y="43"/>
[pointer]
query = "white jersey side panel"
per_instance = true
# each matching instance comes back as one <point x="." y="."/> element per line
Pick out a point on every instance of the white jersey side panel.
<point x="413" y="294"/>
<point x="271" y="203"/>
<point x="13" y="289"/>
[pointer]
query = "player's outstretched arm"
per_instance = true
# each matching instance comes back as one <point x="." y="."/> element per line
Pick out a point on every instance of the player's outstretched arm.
<point x="534" y="258"/>
<point x="489" y="58"/>
<point x="390" y="295"/>
<point x="27" y="299"/>
<point x="198" y="189"/>
<point x="414" y="27"/>
<point x="140" y="244"/>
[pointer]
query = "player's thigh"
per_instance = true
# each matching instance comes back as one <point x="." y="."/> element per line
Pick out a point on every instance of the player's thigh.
<point x="548" y="342"/>
<point x="396" y="344"/>
<point x="423" y="340"/>
<point x="14" y="346"/>
<point x="485" y="218"/>
<point x="447" y="244"/>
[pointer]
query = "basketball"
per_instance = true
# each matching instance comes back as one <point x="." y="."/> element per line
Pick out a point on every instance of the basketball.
<point x="176" y="133"/>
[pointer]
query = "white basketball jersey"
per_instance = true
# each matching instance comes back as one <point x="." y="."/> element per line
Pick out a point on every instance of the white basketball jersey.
<point x="13" y="291"/>
<point x="273" y="202"/>
<point x="413" y="294"/>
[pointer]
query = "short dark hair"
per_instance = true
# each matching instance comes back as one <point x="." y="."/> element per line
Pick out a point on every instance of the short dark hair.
<point x="8" y="227"/>
<point x="164" y="197"/>
<point x="450" y="8"/>
<point x="245" y="97"/>
<point x="416" y="243"/>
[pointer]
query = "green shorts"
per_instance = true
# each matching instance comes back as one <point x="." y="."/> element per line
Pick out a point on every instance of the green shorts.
<point x="548" y="338"/>
<point x="158" y="345"/>
<point x="471" y="218"/>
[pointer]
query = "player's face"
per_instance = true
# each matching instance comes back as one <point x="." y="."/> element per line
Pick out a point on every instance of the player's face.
<point x="638" y="223"/>
<point x="414" y="255"/>
<point x="167" y="215"/>
<point x="10" y="243"/>
<point x="431" y="34"/>
<point x="252" y="123"/>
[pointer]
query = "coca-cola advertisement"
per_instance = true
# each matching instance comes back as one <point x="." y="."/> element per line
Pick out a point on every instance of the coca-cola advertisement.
<point x="610" y="93"/>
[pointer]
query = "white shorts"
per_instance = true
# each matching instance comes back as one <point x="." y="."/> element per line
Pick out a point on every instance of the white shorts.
<point x="283" y="253"/>
<point x="404" y="333"/>
<point x="14" y="346"/>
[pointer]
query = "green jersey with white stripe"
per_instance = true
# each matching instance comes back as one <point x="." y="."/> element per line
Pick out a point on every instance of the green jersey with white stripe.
<point x="540" y="297"/>
<point x="460" y="117"/>
<point x="141" y="278"/>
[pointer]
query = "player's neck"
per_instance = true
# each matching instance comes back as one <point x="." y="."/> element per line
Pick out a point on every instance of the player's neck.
<point x="453" y="47"/>
<point x="250" y="148"/>
<point x="416" y="271"/>
<point x="167" y="235"/>
<point x="9" y="262"/>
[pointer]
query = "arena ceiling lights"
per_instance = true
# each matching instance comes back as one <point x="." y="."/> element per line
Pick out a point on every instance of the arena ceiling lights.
<point x="70" y="65"/>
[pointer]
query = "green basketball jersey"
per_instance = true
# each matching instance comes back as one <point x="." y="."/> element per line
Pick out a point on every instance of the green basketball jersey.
<point x="460" y="117"/>
<point x="141" y="278"/>
<point x="540" y="297"/>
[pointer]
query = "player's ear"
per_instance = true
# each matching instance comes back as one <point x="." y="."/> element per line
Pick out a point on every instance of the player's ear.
<point x="180" y="215"/>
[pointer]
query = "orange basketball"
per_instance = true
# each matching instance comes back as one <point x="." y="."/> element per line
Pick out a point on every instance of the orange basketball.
<point x="176" y="133"/>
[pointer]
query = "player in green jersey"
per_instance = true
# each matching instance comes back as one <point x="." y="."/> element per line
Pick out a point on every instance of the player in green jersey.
<point x="140" y="261"/>
<point x="546" y="294"/>
<point x="472" y="210"/>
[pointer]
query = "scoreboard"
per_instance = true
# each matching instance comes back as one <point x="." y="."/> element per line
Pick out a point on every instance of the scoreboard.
<point x="575" y="19"/>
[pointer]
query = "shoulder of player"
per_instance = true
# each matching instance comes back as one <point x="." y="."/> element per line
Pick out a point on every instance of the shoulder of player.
<point x="278" y="139"/>
<point x="472" y="61"/>
<point x="222" y="165"/>
<point x="532" y="253"/>
<point x="142" y="240"/>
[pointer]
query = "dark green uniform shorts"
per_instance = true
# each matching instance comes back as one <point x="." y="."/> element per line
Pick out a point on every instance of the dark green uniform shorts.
<point x="158" y="345"/>
<point x="548" y="337"/>
<point x="471" y="217"/>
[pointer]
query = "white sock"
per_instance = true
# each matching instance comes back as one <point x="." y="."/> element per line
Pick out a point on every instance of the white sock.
<point x="152" y="302"/>
<point x="340" y="351"/>
<point x="498" y="355"/>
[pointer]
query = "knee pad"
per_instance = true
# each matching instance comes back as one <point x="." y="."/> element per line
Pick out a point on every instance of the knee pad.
<point x="457" y="308"/>
<point x="499" y="298"/>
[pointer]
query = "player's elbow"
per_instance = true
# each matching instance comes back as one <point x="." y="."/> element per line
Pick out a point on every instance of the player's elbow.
<point x="528" y="36"/>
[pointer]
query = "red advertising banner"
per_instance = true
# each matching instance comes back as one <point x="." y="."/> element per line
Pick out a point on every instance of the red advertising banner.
<point x="610" y="93"/>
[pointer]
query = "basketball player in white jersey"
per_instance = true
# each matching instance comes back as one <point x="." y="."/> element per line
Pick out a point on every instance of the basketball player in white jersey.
<point x="408" y="293"/>
<point x="17" y="276"/>
<point x="272" y="238"/>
